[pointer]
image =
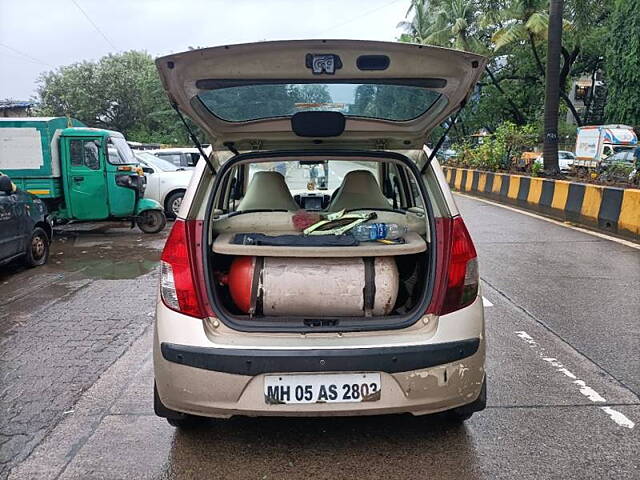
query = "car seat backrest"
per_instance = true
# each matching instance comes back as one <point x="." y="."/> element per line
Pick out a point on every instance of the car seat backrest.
<point x="359" y="190"/>
<point x="267" y="191"/>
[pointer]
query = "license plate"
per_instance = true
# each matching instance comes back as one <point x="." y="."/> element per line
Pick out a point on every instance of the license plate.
<point x="322" y="388"/>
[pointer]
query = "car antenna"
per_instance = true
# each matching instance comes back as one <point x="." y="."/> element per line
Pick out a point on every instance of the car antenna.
<point x="194" y="139"/>
<point x="441" y="140"/>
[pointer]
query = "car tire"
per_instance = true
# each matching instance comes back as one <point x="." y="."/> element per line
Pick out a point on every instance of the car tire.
<point x="151" y="221"/>
<point x="461" y="414"/>
<point x="172" y="204"/>
<point x="174" y="418"/>
<point x="37" y="251"/>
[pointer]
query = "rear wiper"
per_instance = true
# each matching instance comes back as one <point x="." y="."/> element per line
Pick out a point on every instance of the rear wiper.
<point x="194" y="139"/>
<point x="441" y="140"/>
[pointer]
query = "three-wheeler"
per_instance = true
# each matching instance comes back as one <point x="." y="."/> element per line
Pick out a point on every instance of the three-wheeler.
<point x="82" y="174"/>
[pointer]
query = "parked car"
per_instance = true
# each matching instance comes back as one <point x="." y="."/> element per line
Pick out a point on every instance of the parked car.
<point x="25" y="234"/>
<point x="252" y="320"/>
<point x="565" y="160"/>
<point x="186" y="158"/>
<point x="624" y="157"/>
<point x="166" y="183"/>
<point x="619" y="167"/>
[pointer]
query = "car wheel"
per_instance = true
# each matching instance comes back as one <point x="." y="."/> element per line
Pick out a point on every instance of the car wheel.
<point x="37" y="248"/>
<point x="151" y="221"/>
<point x="461" y="414"/>
<point x="172" y="204"/>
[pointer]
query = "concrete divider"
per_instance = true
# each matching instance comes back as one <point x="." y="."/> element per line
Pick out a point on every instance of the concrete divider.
<point x="608" y="209"/>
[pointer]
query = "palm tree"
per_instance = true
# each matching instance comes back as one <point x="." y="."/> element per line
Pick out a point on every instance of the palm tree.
<point x="452" y="24"/>
<point x="552" y="91"/>
<point x="524" y="20"/>
<point x="527" y="21"/>
<point x="417" y="30"/>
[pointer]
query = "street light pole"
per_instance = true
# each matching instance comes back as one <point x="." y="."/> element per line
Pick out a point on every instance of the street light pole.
<point x="552" y="90"/>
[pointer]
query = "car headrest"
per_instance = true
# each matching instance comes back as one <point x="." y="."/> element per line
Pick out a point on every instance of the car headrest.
<point x="359" y="190"/>
<point x="267" y="191"/>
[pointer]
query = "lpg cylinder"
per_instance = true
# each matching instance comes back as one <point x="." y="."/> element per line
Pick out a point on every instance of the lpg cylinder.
<point x="318" y="287"/>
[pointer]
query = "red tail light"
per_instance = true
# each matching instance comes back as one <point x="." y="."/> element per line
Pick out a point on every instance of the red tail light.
<point x="457" y="278"/>
<point x="182" y="285"/>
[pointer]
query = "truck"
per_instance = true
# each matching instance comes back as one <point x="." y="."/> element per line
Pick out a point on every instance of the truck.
<point x="596" y="142"/>
<point x="81" y="173"/>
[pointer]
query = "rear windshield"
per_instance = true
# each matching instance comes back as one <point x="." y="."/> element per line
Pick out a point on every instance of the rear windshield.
<point x="381" y="101"/>
<point x="323" y="176"/>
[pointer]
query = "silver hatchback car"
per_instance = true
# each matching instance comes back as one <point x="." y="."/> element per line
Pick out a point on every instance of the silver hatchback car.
<point x="319" y="265"/>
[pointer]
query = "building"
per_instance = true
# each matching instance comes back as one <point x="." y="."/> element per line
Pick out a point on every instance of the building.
<point x="15" y="108"/>
<point x="588" y="95"/>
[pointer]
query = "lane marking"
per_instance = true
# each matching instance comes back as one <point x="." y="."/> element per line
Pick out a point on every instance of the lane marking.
<point x="486" y="302"/>
<point x="604" y="236"/>
<point x="617" y="417"/>
<point x="584" y="389"/>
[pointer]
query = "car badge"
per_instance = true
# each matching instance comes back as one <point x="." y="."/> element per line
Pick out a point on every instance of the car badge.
<point x="320" y="63"/>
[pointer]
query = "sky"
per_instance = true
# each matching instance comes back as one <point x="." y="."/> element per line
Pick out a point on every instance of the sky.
<point x="41" y="35"/>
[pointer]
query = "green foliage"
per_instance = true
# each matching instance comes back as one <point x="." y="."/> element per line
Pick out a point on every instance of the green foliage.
<point x="498" y="151"/>
<point x="118" y="92"/>
<point x="512" y="33"/>
<point x="623" y="63"/>
<point x="536" y="169"/>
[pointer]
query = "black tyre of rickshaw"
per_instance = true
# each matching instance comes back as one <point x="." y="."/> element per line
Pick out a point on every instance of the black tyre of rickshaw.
<point x="151" y="221"/>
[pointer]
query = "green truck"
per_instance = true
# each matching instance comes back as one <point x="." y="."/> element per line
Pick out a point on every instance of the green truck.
<point x="81" y="173"/>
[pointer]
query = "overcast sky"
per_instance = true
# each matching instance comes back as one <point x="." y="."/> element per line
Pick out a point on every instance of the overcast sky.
<point x="40" y="35"/>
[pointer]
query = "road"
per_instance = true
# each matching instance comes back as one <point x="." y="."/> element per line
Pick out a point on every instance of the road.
<point x="563" y="372"/>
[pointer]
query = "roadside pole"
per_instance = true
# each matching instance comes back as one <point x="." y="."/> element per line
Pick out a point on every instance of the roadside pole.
<point x="552" y="90"/>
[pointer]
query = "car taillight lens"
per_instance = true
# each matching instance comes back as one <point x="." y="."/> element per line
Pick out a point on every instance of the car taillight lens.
<point x="182" y="286"/>
<point x="457" y="277"/>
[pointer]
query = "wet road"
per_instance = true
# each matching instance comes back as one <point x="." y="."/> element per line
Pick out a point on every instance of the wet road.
<point x="563" y="363"/>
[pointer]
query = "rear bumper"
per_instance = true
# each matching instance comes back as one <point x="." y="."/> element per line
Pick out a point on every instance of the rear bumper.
<point x="224" y="376"/>
<point x="378" y="359"/>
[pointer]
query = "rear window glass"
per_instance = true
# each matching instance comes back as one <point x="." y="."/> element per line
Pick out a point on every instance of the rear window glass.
<point x="323" y="177"/>
<point x="174" y="158"/>
<point x="382" y="101"/>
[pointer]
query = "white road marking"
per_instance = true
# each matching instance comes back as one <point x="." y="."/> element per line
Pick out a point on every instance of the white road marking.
<point x="557" y="222"/>
<point x="619" y="418"/>
<point x="486" y="302"/>
<point x="585" y="389"/>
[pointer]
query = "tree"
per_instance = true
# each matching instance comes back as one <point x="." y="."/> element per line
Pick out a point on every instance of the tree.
<point x="119" y="92"/>
<point x="552" y="90"/>
<point x="418" y="29"/>
<point x="513" y="34"/>
<point x="623" y="63"/>
<point x="526" y="21"/>
<point x="454" y="24"/>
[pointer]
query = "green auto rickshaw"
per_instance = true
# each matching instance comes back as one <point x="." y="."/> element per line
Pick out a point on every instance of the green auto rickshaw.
<point x="82" y="174"/>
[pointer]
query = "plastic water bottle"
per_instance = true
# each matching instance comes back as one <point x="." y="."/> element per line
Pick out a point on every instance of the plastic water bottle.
<point x="366" y="232"/>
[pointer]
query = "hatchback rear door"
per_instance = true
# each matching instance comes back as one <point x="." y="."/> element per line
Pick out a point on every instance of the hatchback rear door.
<point x="390" y="95"/>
